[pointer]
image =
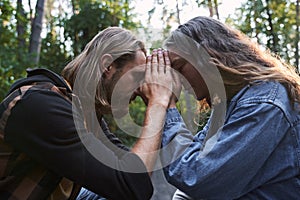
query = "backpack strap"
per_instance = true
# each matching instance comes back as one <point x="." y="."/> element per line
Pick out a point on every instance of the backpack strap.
<point x="40" y="75"/>
<point x="10" y="101"/>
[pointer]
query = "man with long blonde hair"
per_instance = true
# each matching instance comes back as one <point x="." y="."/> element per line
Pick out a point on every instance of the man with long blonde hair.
<point x="53" y="137"/>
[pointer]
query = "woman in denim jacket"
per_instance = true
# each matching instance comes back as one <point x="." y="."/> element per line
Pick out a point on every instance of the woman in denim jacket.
<point x="250" y="146"/>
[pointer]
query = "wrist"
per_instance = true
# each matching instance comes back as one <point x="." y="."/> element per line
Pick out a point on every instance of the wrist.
<point x="158" y="103"/>
<point x="172" y="105"/>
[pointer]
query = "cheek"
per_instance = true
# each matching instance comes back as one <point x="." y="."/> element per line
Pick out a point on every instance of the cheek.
<point x="194" y="75"/>
<point x="188" y="76"/>
<point x="125" y="86"/>
<point x="194" y="78"/>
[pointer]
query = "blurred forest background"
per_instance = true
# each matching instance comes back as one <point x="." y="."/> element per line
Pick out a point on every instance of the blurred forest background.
<point x="50" y="33"/>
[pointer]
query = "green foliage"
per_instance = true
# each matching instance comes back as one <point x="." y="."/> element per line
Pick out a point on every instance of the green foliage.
<point x="53" y="54"/>
<point x="272" y="23"/>
<point x="65" y="37"/>
<point x="95" y="16"/>
<point x="128" y="133"/>
<point x="6" y="11"/>
<point x="13" y="60"/>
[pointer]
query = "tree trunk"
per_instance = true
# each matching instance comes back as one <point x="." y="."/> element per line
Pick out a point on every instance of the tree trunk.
<point x="210" y="8"/>
<point x="274" y="36"/>
<point x="20" y="16"/>
<point x="30" y="11"/>
<point x="73" y="6"/>
<point x="36" y="29"/>
<point x="178" y="13"/>
<point x="216" y="8"/>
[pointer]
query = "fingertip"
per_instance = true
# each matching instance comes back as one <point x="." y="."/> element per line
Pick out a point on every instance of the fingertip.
<point x="148" y="58"/>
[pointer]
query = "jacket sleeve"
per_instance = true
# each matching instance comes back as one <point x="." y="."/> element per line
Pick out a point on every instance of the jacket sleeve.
<point x="247" y="139"/>
<point x="44" y="126"/>
<point x="112" y="137"/>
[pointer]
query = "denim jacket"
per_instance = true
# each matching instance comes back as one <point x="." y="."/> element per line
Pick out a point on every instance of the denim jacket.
<point x="256" y="154"/>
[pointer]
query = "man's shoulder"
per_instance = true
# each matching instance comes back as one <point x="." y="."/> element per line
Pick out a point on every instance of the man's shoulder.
<point x="40" y="75"/>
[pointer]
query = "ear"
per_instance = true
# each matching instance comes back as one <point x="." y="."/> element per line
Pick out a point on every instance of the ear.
<point x="106" y="63"/>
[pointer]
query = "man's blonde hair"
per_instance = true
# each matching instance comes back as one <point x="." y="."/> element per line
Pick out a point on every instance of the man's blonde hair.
<point x="119" y="43"/>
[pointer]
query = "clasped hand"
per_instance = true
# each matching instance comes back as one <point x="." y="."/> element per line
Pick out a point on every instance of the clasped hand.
<point x="161" y="85"/>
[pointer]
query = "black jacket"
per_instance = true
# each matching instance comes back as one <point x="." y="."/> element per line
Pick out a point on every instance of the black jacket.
<point x="40" y="127"/>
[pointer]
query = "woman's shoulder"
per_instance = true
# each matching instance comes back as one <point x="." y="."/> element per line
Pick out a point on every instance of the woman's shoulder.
<point x="269" y="93"/>
<point x="263" y="91"/>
